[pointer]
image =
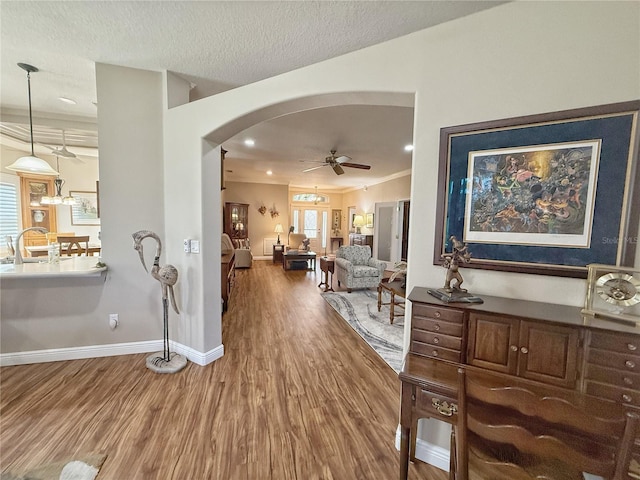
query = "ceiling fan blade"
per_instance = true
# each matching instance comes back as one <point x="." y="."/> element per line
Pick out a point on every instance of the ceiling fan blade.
<point x="337" y="168"/>
<point x="342" y="159"/>
<point x="356" y="165"/>
<point x="313" y="168"/>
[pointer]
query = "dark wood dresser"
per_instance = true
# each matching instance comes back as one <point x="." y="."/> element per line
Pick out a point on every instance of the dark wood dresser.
<point x="228" y="271"/>
<point x="552" y="344"/>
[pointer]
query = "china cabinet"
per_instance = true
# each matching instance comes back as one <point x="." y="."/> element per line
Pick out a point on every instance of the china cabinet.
<point x="35" y="214"/>
<point x="236" y="220"/>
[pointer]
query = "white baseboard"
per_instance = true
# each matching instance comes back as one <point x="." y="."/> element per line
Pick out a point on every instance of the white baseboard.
<point x="429" y="453"/>
<point x="95" y="351"/>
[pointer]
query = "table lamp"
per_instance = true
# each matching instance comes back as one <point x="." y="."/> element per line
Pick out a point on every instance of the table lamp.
<point x="358" y="222"/>
<point x="279" y="230"/>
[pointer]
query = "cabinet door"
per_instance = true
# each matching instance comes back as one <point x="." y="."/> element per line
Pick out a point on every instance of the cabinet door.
<point x="548" y="353"/>
<point x="493" y="343"/>
<point x="34" y="213"/>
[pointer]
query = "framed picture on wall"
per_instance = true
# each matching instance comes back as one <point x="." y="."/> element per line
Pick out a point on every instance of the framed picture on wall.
<point x="369" y="220"/>
<point x="544" y="194"/>
<point x="85" y="210"/>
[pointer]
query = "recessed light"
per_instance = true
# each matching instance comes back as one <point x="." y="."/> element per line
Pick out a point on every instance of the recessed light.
<point x="249" y="142"/>
<point x="408" y="148"/>
<point x="67" y="100"/>
<point x="269" y="172"/>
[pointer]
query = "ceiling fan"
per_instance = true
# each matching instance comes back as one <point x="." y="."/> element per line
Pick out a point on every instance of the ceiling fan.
<point x="337" y="163"/>
<point x="63" y="152"/>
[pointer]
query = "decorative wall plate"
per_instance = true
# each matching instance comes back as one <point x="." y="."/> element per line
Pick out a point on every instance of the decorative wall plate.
<point x="613" y="292"/>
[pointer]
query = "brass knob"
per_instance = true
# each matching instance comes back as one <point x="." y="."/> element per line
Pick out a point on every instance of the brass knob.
<point x="437" y="327"/>
<point x="435" y="353"/>
<point x="631" y="347"/>
<point x="627" y="381"/>
<point x="437" y="314"/>
<point x="626" y="398"/>
<point x="524" y="350"/>
<point x="630" y="364"/>
<point x="514" y="348"/>
<point x="436" y="340"/>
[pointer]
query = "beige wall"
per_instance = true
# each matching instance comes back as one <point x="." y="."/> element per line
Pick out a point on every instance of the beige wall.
<point x="159" y="171"/>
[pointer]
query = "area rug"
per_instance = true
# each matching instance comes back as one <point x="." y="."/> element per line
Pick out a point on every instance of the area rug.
<point x="80" y="468"/>
<point x="360" y="309"/>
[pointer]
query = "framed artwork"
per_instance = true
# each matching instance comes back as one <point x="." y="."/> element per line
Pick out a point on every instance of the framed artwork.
<point x="369" y="220"/>
<point x="85" y="210"/>
<point x="544" y="194"/>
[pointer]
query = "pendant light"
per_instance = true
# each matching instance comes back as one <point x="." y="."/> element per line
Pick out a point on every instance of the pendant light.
<point x="31" y="163"/>
<point x="58" y="199"/>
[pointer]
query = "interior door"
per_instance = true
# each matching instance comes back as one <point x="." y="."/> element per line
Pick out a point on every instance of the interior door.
<point x="384" y="237"/>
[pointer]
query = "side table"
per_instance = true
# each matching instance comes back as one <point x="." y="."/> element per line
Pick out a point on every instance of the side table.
<point x="327" y="266"/>
<point x="278" y="250"/>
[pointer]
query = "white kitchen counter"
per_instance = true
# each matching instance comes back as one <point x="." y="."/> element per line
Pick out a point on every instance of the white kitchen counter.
<point x="68" y="267"/>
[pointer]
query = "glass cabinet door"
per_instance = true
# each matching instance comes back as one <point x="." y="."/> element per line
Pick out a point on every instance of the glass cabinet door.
<point x="34" y="213"/>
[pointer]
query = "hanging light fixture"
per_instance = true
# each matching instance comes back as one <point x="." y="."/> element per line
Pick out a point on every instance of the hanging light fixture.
<point x="58" y="199"/>
<point x="31" y="163"/>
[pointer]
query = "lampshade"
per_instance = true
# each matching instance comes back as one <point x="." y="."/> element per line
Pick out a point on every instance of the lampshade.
<point x="358" y="221"/>
<point x="31" y="163"/>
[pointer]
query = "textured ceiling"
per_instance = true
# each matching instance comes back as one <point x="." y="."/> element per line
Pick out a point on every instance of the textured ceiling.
<point x="215" y="45"/>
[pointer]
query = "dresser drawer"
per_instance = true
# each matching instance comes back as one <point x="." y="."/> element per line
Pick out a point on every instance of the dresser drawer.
<point x="437" y="326"/>
<point x="621" y="361"/>
<point x="437" y="313"/>
<point x="615" y="343"/>
<point x="617" y="394"/>
<point x="436" y="405"/>
<point x="435" y="352"/>
<point x="613" y="377"/>
<point x="437" y="339"/>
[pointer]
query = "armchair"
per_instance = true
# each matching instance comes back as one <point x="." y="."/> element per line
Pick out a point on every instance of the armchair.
<point x="296" y="240"/>
<point x="355" y="267"/>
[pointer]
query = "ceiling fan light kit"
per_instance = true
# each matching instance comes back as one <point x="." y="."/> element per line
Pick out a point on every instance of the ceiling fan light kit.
<point x="336" y="163"/>
<point x="31" y="163"/>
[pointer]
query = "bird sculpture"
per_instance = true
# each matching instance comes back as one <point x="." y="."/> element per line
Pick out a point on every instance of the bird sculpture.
<point x="167" y="275"/>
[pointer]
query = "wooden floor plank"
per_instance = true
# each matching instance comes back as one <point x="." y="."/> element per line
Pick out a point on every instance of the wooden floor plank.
<point x="298" y="395"/>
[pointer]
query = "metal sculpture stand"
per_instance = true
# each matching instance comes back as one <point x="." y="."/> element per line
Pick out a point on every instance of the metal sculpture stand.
<point x="165" y="361"/>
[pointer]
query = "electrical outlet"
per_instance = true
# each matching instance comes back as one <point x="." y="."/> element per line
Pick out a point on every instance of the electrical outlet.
<point x="186" y="245"/>
<point x="195" y="246"/>
<point x="113" y="320"/>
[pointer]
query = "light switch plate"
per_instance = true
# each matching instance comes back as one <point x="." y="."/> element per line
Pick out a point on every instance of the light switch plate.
<point x="187" y="245"/>
<point x="195" y="246"/>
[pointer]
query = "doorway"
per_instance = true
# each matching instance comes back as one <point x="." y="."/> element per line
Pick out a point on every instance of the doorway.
<point x="314" y="223"/>
<point x="391" y="231"/>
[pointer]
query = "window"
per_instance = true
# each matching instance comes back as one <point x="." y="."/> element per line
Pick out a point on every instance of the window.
<point x="9" y="210"/>
<point x="314" y="198"/>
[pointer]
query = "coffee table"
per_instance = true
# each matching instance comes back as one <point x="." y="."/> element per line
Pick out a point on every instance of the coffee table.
<point x="396" y="289"/>
<point x="293" y="255"/>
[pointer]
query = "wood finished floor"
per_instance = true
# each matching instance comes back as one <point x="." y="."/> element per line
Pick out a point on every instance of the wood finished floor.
<point x="297" y="395"/>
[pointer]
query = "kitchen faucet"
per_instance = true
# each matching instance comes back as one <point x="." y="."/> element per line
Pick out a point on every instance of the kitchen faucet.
<point x="18" y="255"/>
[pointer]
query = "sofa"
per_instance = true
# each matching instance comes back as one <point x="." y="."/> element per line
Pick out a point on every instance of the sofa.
<point x="356" y="268"/>
<point x="242" y="249"/>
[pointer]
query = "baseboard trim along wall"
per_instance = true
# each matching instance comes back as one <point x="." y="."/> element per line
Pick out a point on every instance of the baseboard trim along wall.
<point x="95" y="351"/>
<point x="429" y="453"/>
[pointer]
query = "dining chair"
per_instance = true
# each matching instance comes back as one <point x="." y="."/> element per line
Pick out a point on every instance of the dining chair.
<point x="510" y="428"/>
<point x="72" y="245"/>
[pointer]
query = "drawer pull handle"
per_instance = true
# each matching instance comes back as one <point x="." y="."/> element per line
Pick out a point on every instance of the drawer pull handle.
<point x="435" y="353"/>
<point x="444" y="408"/>
<point x="514" y="348"/>
<point x="437" y="314"/>
<point x="436" y="340"/>
<point x="437" y="327"/>
<point x="626" y="398"/>
<point x="627" y="381"/>
<point x="630" y="364"/>
<point x="631" y="347"/>
<point x="524" y="350"/>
